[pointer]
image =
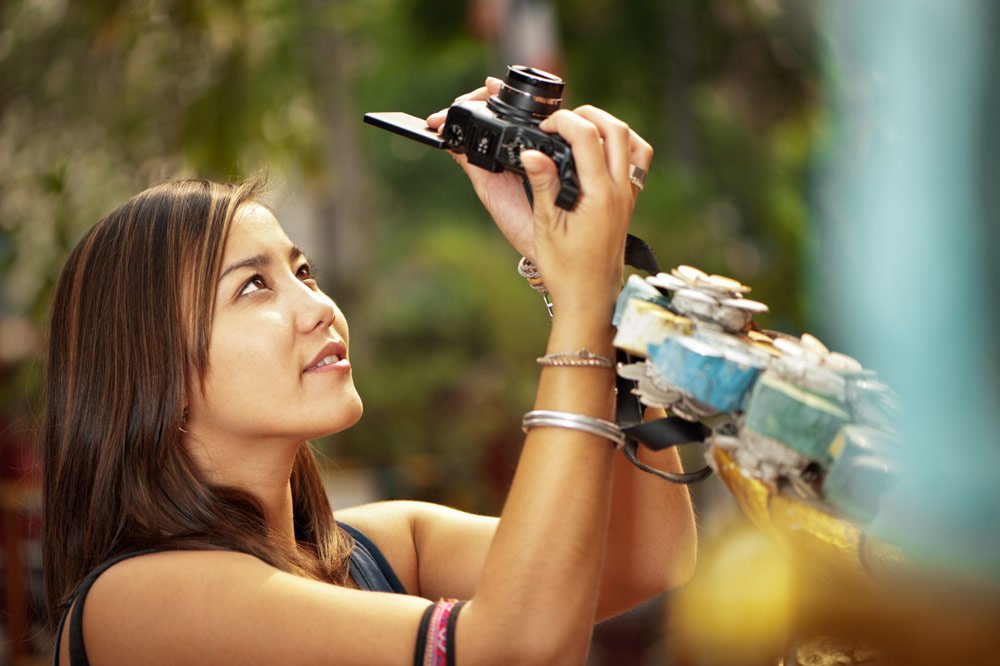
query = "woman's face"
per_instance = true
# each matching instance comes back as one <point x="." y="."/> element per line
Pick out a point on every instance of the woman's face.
<point x="278" y="367"/>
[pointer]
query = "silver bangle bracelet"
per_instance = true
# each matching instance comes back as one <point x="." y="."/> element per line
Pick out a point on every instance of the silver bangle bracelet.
<point x="571" y="421"/>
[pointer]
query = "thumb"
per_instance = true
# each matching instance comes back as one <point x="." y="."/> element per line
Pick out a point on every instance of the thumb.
<point x="544" y="180"/>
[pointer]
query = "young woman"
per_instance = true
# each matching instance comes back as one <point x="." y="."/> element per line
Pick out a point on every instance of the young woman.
<point x="192" y="355"/>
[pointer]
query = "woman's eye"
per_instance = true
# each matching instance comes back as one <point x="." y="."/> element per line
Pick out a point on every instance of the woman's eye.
<point x="256" y="283"/>
<point x="306" y="272"/>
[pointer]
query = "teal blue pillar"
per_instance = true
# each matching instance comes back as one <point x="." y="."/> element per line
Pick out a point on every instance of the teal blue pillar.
<point x="906" y="208"/>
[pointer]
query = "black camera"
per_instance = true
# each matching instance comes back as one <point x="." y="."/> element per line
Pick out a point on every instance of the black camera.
<point x="493" y="133"/>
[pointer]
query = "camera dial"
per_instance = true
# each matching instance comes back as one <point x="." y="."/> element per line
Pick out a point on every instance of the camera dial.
<point x="514" y="147"/>
<point x="454" y="135"/>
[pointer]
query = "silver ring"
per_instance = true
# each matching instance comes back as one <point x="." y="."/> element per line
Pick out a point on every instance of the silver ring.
<point x="637" y="176"/>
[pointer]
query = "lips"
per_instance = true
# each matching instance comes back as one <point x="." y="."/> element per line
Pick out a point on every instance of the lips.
<point x="331" y="354"/>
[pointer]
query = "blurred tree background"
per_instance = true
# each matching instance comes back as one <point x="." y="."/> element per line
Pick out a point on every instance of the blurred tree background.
<point x="100" y="99"/>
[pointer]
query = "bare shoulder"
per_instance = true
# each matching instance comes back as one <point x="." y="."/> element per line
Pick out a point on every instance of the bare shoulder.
<point x="223" y="607"/>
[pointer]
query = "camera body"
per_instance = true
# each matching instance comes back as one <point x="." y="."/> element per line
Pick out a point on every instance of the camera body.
<point x="493" y="133"/>
<point x="492" y="138"/>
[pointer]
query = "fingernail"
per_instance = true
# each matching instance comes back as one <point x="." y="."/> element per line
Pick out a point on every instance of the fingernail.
<point x="492" y="80"/>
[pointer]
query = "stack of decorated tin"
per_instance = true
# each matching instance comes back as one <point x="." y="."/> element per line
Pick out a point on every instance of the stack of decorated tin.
<point x="792" y="414"/>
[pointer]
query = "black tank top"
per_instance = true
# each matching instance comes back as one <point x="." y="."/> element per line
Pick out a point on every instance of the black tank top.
<point x="368" y="569"/>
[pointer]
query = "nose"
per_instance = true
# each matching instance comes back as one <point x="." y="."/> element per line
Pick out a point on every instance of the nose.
<point x="313" y="309"/>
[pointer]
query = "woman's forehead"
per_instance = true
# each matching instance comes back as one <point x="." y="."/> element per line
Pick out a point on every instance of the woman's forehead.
<point x="255" y="230"/>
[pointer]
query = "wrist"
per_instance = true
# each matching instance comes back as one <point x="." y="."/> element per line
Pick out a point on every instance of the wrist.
<point x="583" y="301"/>
<point x="580" y="297"/>
<point x="571" y="331"/>
<point x="590" y="315"/>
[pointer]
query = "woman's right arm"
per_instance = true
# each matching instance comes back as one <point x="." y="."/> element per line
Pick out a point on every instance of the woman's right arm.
<point x="555" y="520"/>
<point x="537" y="593"/>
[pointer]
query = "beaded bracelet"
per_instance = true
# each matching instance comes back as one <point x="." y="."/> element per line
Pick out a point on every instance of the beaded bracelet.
<point x="436" y="636"/>
<point x="529" y="271"/>
<point x="581" y="358"/>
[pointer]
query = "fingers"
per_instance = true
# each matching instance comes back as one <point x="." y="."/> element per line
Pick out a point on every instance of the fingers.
<point x="623" y="147"/>
<point x="641" y="155"/>
<point x="640" y="152"/>
<point x="477" y="94"/>
<point x="584" y="138"/>
<point x="617" y="136"/>
<point x="436" y="119"/>
<point x="480" y="94"/>
<point x="603" y="145"/>
<point x="493" y="85"/>
<point x="544" y="179"/>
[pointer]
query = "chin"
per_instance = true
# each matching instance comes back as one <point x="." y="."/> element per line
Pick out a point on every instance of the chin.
<point x="356" y="410"/>
<point x="346" y="415"/>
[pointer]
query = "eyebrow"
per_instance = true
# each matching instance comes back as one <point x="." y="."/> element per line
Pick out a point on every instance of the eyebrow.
<point x="259" y="261"/>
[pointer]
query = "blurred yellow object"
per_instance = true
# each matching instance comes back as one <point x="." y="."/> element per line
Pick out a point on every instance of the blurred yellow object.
<point x="826" y="545"/>
<point x="808" y="587"/>
<point x="738" y="608"/>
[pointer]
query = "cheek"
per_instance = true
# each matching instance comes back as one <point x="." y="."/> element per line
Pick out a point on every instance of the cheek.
<point x="249" y="362"/>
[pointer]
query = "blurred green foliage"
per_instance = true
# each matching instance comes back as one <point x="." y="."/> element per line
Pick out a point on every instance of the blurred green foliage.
<point x="100" y="99"/>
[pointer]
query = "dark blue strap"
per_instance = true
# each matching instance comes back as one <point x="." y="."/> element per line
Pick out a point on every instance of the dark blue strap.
<point x="369" y="568"/>
<point x="77" y="650"/>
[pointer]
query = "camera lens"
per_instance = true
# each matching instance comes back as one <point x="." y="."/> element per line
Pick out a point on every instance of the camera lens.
<point x="532" y="91"/>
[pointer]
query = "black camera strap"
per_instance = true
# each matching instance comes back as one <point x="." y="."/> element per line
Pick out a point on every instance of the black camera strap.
<point x="661" y="433"/>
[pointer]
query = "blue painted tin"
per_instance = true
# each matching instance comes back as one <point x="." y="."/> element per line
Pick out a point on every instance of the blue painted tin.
<point x="804" y="421"/>
<point x="709" y="373"/>
<point x="637" y="287"/>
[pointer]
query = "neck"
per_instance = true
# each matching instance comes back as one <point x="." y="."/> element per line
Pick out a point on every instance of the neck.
<point x="263" y="469"/>
<point x="277" y="501"/>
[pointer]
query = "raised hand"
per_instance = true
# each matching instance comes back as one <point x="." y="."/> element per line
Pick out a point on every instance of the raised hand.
<point x="580" y="252"/>
<point x="503" y="193"/>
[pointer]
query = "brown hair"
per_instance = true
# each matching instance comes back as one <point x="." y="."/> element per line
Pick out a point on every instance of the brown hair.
<point x="129" y="334"/>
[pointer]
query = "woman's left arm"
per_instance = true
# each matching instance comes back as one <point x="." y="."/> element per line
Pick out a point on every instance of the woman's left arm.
<point x="439" y="552"/>
<point x="652" y="540"/>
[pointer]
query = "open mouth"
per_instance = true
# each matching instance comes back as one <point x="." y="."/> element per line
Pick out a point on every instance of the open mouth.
<point x="333" y="356"/>
<point x="327" y="360"/>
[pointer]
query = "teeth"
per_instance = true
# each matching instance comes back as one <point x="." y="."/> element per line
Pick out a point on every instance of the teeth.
<point x="333" y="358"/>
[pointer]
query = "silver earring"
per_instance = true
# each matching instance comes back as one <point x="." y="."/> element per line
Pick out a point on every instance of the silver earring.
<point x="184" y="420"/>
